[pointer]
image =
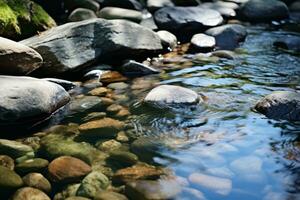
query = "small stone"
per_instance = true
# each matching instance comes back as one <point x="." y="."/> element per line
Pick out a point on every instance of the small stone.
<point x="108" y="195"/>
<point x="86" y="103"/>
<point x="68" y="191"/>
<point x="154" y="5"/>
<point x="123" y="158"/>
<point x="38" y="181"/>
<point x="14" y="149"/>
<point x="28" y="193"/>
<point x="80" y="14"/>
<point x="109" y="145"/>
<point x="122" y="137"/>
<point x="111" y="77"/>
<point x="120" y="13"/>
<point x="169" y="40"/>
<point x="224" y="54"/>
<point x="203" y="42"/>
<point x="101" y="92"/>
<point x="133" y="68"/>
<point x="6" y="161"/>
<point x="32" y="165"/>
<point x="9" y="180"/>
<point x="94" y="116"/>
<point x="114" y="108"/>
<point x="118" y="86"/>
<point x="123" y="113"/>
<point x="67" y="169"/>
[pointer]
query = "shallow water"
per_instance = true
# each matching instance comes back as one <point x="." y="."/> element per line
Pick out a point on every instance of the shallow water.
<point x="247" y="156"/>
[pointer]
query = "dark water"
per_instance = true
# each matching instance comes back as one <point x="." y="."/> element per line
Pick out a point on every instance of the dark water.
<point x="239" y="154"/>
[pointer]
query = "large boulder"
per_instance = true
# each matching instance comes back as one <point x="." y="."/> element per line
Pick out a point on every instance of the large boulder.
<point x="17" y="59"/>
<point x="22" y="18"/>
<point x="280" y="105"/>
<point x="26" y="99"/>
<point x="99" y="39"/>
<point x="263" y="10"/>
<point x="186" y="19"/>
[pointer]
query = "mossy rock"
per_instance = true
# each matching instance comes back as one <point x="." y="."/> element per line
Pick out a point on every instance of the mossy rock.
<point x="22" y="18"/>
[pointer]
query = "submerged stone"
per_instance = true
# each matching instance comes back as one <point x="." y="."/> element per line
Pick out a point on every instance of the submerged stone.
<point x="9" y="180"/>
<point x="38" y="181"/>
<point x="14" y="149"/>
<point x="28" y="193"/>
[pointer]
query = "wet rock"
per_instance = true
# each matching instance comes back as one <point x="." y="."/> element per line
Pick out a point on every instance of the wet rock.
<point x="67" y="85"/>
<point x="114" y="108"/>
<point x="100" y="91"/>
<point x="280" y="105"/>
<point x="137" y="172"/>
<point x="118" y="86"/>
<point x="129" y="4"/>
<point x="32" y="165"/>
<point x="27" y="100"/>
<point x="133" y="68"/>
<point x="28" y="193"/>
<point x="152" y="190"/>
<point x="111" y="77"/>
<point x="17" y="59"/>
<point x="6" y="161"/>
<point x="165" y="95"/>
<point x="154" y="5"/>
<point x="89" y="4"/>
<point x="9" y="180"/>
<point x="99" y="38"/>
<point x="263" y="11"/>
<point x="218" y="185"/>
<point x="226" y="9"/>
<point x="122" y="137"/>
<point x="67" y="169"/>
<point x="81" y="14"/>
<point x="123" y="158"/>
<point x="288" y="42"/>
<point x="224" y="54"/>
<point x="168" y="39"/>
<point x="228" y="36"/>
<point x="120" y="13"/>
<point x="109" y="145"/>
<point x="24" y="18"/>
<point x="38" y="181"/>
<point x="186" y="19"/>
<point x="85" y="104"/>
<point x="68" y="191"/>
<point x="203" y="42"/>
<point x="103" y="128"/>
<point x="14" y="149"/>
<point x="108" y="195"/>
<point x="94" y="116"/>
<point x="92" y="184"/>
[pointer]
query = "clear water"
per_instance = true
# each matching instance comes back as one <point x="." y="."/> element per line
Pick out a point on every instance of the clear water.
<point x="257" y="157"/>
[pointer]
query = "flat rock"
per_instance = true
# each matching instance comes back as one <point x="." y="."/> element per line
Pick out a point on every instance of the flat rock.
<point x="280" y="105"/>
<point x="28" y="193"/>
<point x="228" y="36"/>
<point x="17" y="59"/>
<point x="120" y="13"/>
<point x="168" y="94"/>
<point x="100" y="39"/>
<point x="26" y="99"/>
<point x="263" y="11"/>
<point x="67" y="169"/>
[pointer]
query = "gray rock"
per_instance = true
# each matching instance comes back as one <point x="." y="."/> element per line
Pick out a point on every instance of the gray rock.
<point x="168" y="39"/>
<point x="203" y="42"/>
<point x="154" y="5"/>
<point x="186" y="19"/>
<point x="99" y="39"/>
<point x="228" y="36"/>
<point x="67" y="85"/>
<point x="263" y="11"/>
<point x="288" y="42"/>
<point x="92" y="184"/>
<point x="149" y="23"/>
<point x="134" y="68"/>
<point x="17" y="59"/>
<point x="37" y="181"/>
<point x="14" y="149"/>
<point x="26" y="99"/>
<point x="120" y="13"/>
<point x="86" y="103"/>
<point x="227" y="9"/>
<point x="28" y="193"/>
<point x="80" y="14"/>
<point x="129" y="4"/>
<point x="165" y="95"/>
<point x="280" y="105"/>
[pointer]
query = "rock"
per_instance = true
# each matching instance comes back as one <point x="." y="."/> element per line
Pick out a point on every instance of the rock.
<point x="38" y="181"/>
<point x="118" y="86"/>
<point x="280" y="105"/>
<point x="24" y="18"/>
<point x="32" y="165"/>
<point x="165" y="95"/>
<point x="92" y="184"/>
<point x="224" y="54"/>
<point x="27" y="100"/>
<point x="28" y="193"/>
<point x="86" y="104"/>
<point x="133" y="68"/>
<point x="137" y="172"/>
<point x="108" y="195"/>
<point x="109" y="145"/>
<point x="120" y="13"/>
<point x="122" y="137"/>
<point x="246" y="165"/>
<point x="154" y="5"/>
<point x="6" y="161"/>
<point x="114" y="108"/>
<point x="100" y="91"/>
<point x="100" y="39"/>
<point x="14" y="149"/>
<point x="88" y="4"/>
<point x="186" y="19"/>
<point x="221" y="186"/>
<point x="149" y="23"/>
<point x="77" y="198"/>
<point x="68" y="191"/>
<point x="53" y="146"/>
<point x="203" y="42"/>
<point x="263" y="11"/>
<point x="81" y="14"/>
<point x="152" y="190"/>
<point x="67" y="169"/>
<point x="103" y="128"/>
<point x="9" y="180"/>
<point x="129" y="4"/>
<point x="228" y="36"/>
<point x="226" y="9"/>
<point x="94" y="116"/>
<point x="168" y="39"/>
<point x="111" y="77"/>
<point x="67" y="85"/>
<point x="288" y="42"/>
<point x="17" y="59"/>
<point x="123" y="158"/>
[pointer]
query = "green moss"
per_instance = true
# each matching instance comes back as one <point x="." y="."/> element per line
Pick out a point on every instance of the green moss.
<point x="8" y="20"/>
